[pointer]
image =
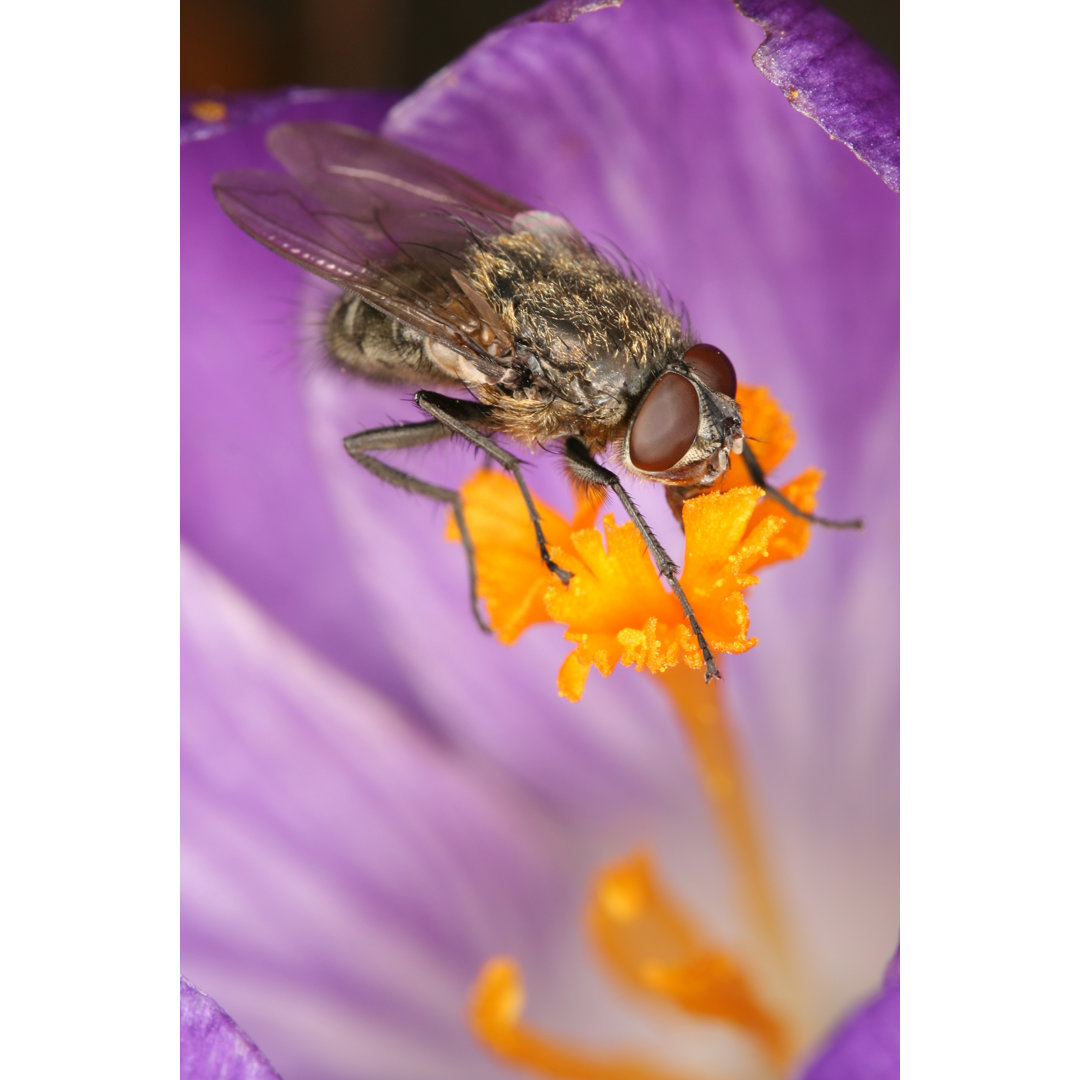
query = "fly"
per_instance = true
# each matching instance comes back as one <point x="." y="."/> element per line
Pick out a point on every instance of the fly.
<point x="450" y="283"/>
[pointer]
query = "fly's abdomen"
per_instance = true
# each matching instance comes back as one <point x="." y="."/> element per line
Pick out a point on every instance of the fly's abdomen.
<point x="364" y="341"/>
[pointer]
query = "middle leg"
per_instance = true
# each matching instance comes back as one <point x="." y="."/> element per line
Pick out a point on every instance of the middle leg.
<point x="400" y="436"/>
<point x="464" y="418"/>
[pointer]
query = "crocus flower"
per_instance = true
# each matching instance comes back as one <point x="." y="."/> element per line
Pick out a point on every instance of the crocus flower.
<point x="393" y="827"/>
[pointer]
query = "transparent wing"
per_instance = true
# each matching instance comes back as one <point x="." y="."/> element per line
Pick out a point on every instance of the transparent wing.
<point x="331" y="160"/>
<point x="379" y="220"/>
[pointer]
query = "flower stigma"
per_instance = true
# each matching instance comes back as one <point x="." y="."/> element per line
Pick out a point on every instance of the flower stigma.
<point x="616" y="610"/>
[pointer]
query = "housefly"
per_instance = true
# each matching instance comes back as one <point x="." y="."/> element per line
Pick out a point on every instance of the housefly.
<point x="449" y="283"/>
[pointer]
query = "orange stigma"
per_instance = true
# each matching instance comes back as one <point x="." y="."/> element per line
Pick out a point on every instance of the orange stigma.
<point x="616" y="609"/>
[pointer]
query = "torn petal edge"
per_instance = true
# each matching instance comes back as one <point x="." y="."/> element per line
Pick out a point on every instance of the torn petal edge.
<point x="828" y="73"/>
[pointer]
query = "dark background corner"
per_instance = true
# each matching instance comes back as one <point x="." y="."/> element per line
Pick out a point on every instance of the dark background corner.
<point x="393" y="44"/>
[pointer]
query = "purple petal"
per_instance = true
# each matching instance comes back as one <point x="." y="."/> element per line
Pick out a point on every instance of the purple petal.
<point x="561" y="11"/>
<point x="867" y="1045"/>
<point x="892" y="972"/>
<point x="340" y="875"/>
<point x="212" y="1047"/>
<point x="246" y="465"/>
<point x="829" y="74"/>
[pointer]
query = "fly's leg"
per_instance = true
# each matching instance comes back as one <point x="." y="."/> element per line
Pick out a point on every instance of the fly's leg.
<point x="757" y="474"/>
<point x="463" y="418"/>
<point x="583" y="466"/>
<point x="398" y="437"/>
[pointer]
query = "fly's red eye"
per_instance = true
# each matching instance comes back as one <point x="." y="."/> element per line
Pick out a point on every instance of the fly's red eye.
<point x="712" y="367"/>
<point x="666" y="424"/>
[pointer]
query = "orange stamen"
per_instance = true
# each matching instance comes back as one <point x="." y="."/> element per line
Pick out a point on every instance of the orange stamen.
<point x="654" y="945"/>
<point x="497" y="1002"/>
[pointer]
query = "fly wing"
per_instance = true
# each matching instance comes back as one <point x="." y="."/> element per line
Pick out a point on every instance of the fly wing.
<point x="332" y="159"/>
<point x="381" y="221"/>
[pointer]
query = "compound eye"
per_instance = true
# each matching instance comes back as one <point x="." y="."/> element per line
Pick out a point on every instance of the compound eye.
<point x="666" y="425"/>
<point x="712" y="367"/>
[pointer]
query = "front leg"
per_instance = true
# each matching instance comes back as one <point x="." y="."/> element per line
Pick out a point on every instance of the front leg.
<point x="464" y="418"/>
<point x="757" y="474"/>
<point x="583" y="466"/>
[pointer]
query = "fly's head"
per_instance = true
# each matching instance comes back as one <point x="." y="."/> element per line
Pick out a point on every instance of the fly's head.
<point x="686" y="425"/>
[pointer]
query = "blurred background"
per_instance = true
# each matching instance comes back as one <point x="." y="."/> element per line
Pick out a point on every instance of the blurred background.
<point x="393" y="44"/>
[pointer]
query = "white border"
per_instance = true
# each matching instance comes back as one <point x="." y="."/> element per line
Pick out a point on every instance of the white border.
<point x="990" y="394"/>
<point x="89" y="425"/>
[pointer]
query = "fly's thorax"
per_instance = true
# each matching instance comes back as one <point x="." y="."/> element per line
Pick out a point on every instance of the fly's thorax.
<point x="581" y="323"/>
<point x="539" y="417"/>
<point x="588" y="338"/>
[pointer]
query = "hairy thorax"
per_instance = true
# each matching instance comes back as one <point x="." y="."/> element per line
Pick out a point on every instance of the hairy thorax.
<point x="587" y="337"/>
